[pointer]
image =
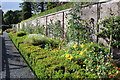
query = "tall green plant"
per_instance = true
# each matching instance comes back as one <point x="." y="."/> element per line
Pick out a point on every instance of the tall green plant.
<point x="58" y="30"/>
<point x="77" y="29"/>
<point x="40" y="29"/>
<point x="111" y="31"/>
<point x="55" y="29"/>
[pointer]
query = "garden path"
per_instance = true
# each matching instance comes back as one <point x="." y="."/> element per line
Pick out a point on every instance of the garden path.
<point x="13" y="65"/>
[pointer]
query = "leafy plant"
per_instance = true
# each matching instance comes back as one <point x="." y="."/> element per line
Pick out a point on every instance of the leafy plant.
<point x="77" y="26"/>
<point x="41" y="40"/>
<point x="111" y="30"/>
<point x="55" y="30"/>
<point x="93" y="58"/>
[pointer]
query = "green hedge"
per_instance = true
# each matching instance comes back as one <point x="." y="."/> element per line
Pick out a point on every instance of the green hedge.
<point x="46" y="63"/>
<point x="90" y="61"/>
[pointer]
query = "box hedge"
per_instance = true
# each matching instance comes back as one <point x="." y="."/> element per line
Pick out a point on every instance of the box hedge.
<point x="46" y="64"/>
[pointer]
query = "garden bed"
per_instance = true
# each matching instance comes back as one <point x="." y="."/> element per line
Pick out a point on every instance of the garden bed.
<point x="59" y="60"/>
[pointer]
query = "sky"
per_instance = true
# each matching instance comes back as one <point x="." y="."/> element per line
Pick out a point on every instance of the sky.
<point x="10" y="5"/>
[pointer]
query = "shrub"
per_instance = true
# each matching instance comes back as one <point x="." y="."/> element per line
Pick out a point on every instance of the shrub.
<point x="111" y="30"/>
<point x="46" y="63"/>
<point x="40" y="40"/>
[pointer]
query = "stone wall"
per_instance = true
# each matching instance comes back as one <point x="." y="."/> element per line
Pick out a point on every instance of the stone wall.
<point x="94" y="11"/>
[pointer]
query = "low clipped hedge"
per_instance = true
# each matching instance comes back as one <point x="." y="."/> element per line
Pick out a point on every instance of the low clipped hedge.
<point x="46" y="63"/>
<point x="89" y="60"/>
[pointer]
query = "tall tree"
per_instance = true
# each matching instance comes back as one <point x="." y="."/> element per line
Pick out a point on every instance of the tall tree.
<point x="26" y="10"/>
<point x="17" y="16"/>
<point x="8" y="17"/>
<point x="12" y="17"/>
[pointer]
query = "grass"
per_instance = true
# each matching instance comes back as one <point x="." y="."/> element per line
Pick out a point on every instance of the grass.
<point x="56" y="9"/>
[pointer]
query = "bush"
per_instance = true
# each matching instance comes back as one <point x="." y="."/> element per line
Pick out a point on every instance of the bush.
<point x="21" y="33"/>
<point x="40" y="40"/>
<point x="46" y="63"/>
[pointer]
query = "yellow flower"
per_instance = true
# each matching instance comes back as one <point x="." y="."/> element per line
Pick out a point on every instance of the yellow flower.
<point x="81" y="53"/>
<point x="75" y="46"/>
<point x="91" y="42"/>
<point x="82" y="46"/>
<point x="85" y="50"/>
<point x="83" y="65"/>
<point x="70" y="57"/>
<point x="117" y="72"/>
<point x="90" y="51"/>
<point x="67" y="55"/>
<point x="76" y="56"/>
<point x="78" y="51"/>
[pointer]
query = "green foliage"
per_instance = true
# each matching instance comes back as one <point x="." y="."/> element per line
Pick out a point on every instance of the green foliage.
<point x="95" y="59"/>
<point x="37" y="7"/>
<point x="40" y="40"/>
<point x="12" y="17"/>
<point x="111" y="27"/>
<point x="77" y="27"/>
<point x="55" y="29"/>
<point x="89" y="60"/>
<point x="26" y="10"/>
<point x="45" y="63"/>
<point x="39" y="29"/>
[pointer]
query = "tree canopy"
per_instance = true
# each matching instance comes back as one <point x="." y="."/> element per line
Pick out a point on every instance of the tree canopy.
<point x="12" y="17"/>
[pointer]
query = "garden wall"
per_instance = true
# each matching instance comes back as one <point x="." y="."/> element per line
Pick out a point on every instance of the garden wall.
<point x="93" y="11"/>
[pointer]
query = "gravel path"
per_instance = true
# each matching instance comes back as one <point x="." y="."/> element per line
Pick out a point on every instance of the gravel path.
<point x="13" y="65"/>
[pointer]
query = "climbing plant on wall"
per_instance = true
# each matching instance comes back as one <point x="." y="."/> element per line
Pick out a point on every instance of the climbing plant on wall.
<point x="77" y="29"/>
<point x="58" y="30"/>
<point x="55" y="29"/>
